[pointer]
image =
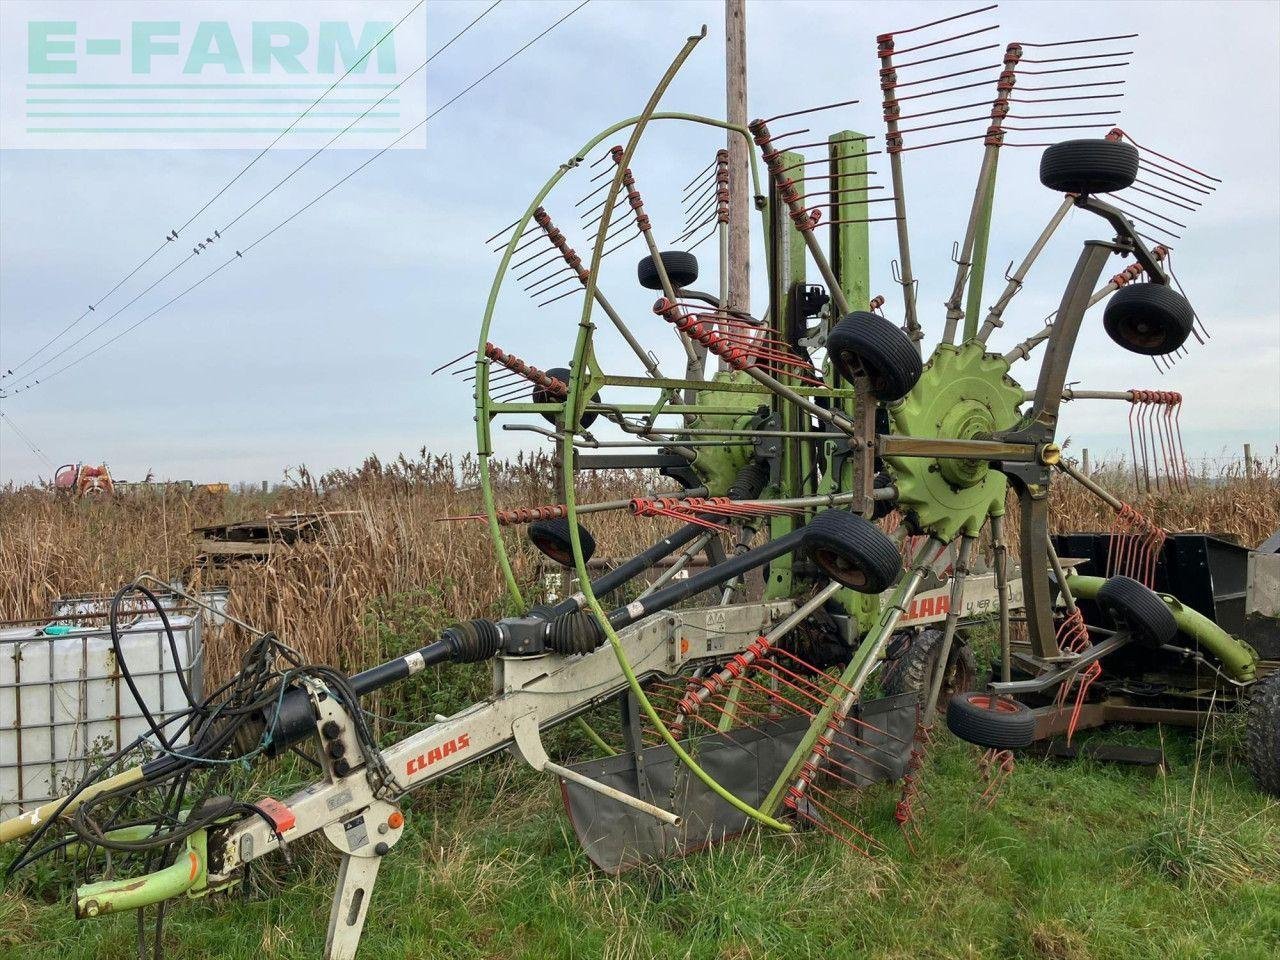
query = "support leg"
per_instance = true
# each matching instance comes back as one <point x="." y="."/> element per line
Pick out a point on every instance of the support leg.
<point x="356" y="876"/>
<point x="631" y="736"/>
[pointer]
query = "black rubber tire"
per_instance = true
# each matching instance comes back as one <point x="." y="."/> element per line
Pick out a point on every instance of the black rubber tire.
<point x="867" y="344"/>
<point x="882" y="481"/>
<point x="911" y="671"/>
<point x="1137" y="609"/>
<point x="1262" y="734"/>
<point x="1148" y="318"/>
<point x="1010" y="726"/>
<point x="541" y="396"/>
<point x="682" y="270"/>
<point x="551" y="537"/>
<point x="852" y="551"/>
<point x="1089" y="166"/>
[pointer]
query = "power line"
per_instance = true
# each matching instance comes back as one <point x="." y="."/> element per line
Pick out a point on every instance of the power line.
<point x="283" y="132"/>
<point x="91" y="308"/>
<point x="133" y="326"/>
<point x="173" y="236"/>
<point x="29" y="377"/>
<point x="27" y="440"/>
<point x="239" y="254"/>
<point x="417" y="126"/>
<point x="19" y="387"/>
<point x="422" y="66"/>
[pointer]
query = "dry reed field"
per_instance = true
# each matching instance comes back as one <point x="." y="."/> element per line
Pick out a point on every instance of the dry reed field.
<point x="1190" y="867"/>
<point x="387" y="549"/>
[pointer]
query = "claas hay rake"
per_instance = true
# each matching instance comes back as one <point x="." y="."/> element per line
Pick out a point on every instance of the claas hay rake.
<point x="837" y="478"/>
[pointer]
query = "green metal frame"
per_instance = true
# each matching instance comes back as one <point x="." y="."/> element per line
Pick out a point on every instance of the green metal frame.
<point x="783" y="277"/>
<point x="851" y="261"/>
<point x="1238" y="658"/>
<point x="187" y="874"/>
<point x="978" y="272"/>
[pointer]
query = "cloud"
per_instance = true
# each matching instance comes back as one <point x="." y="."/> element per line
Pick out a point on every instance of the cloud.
<point x="315" y="347"/>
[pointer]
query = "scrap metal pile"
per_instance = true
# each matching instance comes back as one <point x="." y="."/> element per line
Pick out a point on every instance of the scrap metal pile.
<point x="838" y="477"/>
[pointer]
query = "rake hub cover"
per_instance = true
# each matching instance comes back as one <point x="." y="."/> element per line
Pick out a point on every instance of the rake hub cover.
<point x="963" y="394"/>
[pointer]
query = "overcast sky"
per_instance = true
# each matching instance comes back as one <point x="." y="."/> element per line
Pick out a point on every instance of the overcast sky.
<point x="315" y="349"/>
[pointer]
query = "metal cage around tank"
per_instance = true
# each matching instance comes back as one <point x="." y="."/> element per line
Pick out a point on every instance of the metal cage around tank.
<point x="64" y="702"/>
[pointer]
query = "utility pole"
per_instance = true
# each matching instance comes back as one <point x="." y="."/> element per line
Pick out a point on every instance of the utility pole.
<point x="735" y="38"/>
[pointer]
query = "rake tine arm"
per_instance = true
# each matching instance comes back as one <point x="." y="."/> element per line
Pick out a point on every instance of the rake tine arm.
<point x="854" y="677"/>
<point x="574" y="263"/>
<point x="996" y="313"/>
<point x="949" y="628"/>
<point x="1130" y="273"/>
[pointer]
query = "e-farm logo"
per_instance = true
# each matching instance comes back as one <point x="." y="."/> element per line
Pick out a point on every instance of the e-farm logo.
<point x="165" y="74"/>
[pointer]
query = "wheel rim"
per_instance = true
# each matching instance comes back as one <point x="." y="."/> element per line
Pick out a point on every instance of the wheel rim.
<point x="1143" y="333"/>
<point x="562" y="557"/>
<point x="839" y="568"/>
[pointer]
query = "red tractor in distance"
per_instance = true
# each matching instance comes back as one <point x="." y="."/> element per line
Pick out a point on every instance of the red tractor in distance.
<point x="83" y="480"/>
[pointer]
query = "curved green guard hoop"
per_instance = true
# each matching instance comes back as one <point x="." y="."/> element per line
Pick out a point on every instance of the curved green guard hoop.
<point x="638" y="124"/>
<point x="1239" y="659"/>
<point x="483" y="412"/>
<point x="568" y="455"/>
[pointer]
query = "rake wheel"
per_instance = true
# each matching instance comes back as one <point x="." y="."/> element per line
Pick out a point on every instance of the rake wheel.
<point x="1148" y="318"/>
<point x="740" y="706"/>
<point x="1089" y="166"/>
<point x="991" y="722"/>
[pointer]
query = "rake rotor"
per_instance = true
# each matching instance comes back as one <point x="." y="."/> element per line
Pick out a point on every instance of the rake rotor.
<point x="797" y="391"/>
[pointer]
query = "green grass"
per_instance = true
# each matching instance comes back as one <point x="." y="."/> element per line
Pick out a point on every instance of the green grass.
<point x="1076" y="861"/>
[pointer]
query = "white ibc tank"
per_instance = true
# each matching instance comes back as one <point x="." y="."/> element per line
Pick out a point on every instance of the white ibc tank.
<point x="64" y="704"/>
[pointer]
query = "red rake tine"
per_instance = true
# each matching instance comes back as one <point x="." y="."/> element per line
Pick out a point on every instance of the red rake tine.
<point x="774" y="695"/>
<point x="825" y="750"/>
<point x="819" y="698"/>
<point x="933" y="23"/>
<point x="826" y="809"/>
<point x="791" y="804"/>
<point x="1071" y="43"/>
<point x="806" y="110"/>
<point x="1083" y="56"/>
<point x="842" y="686"/>
<point x="951" y="39"/>
<point x="946" y="56"/>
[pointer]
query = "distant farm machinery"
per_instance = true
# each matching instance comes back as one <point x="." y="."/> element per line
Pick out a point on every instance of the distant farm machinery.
<point x="83" y="480"/>
<point x="838" y="483"/>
